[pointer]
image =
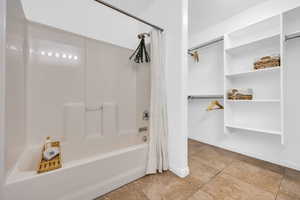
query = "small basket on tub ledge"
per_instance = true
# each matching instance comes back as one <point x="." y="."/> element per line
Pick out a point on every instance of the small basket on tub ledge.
<point x="51" y="161"/>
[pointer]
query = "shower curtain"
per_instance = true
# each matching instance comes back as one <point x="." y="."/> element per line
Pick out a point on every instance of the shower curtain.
<point x="158" y="131"/>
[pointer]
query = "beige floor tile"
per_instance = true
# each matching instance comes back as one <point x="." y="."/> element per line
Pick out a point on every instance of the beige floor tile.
<point x="262" y="164"/>
<point x="102" y="198"/>
<point x="259" y="177"/>
<point x="200" y="173"/>
<point x="195" y="143"/>
<point x="194" y="146"/>
<point x="282" y="196"/>
<point x="292" y="174"/>
<point x="225" y="187"/>
<point x="290" y="186"/>
<point x="215" y="174"/>
<point x="166" y="186"/>
<point x="213" y="157"/>
<point x="200" y="195"/>
<point x="126" y="193"/>
<point x="227" y="153"/>
<point x="181" y="191"/>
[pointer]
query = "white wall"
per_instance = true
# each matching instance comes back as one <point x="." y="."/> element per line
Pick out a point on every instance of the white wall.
<point x="2" y="94"/>
<point x="172" y="15"/>
<point x="262" y="146"/>
<point x="206" y="76"/>
<point x="83" y="17"/>
<point x="250" y="16"/>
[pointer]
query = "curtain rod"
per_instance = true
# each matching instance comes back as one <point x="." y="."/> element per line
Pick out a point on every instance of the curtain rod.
<point x="205" y="97"/>
<point x="129" y="15"/>
<point x="207" y="44"/>
<point x="292" y="36"/>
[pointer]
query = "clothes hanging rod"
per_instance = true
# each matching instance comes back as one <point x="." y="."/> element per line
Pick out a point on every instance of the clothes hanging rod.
<point x="292" y="36"/>
<point x="207" y="43"/>
<point x="205" y="97"/>
<point x="129" y="15"/>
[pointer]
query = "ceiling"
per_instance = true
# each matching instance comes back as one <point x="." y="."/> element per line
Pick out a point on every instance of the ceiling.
<point x="204" y="13"/>
<point x="135" y="7"/>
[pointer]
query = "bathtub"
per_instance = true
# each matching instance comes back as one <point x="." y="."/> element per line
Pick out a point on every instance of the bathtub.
<point x="90" y="169"/>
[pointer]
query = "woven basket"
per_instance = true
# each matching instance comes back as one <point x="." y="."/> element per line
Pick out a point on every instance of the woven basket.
<point x="240" y="94"/>
<point x="266" y="62"/>
<point x="240" y="97"/>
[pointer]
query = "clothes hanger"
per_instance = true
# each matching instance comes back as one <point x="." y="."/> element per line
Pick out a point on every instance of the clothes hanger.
<point x="215" y="105"/>
<point x="195" y="55"/>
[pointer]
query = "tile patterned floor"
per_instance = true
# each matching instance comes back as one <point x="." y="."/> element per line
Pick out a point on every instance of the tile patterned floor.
<point x="215" y="174"/>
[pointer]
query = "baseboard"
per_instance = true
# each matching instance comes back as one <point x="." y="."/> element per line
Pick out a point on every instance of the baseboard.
<point x="291" y="165"/>
<point x="181" y="172"/>
<point x="102" y="188"/>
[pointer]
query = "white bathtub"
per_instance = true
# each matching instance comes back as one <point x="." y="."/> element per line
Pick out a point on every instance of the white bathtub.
<point x="91" y="168"/>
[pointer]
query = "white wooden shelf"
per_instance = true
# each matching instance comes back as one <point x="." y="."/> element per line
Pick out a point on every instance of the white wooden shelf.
<point x="245" y="128"/>
<point x="242" y="47"/>
<point x="242" y="74"/>
<point x="255" y="101"/>
<point x="257" y="43"/>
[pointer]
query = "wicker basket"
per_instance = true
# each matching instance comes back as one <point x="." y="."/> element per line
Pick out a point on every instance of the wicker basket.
<point x="267" y="61"/>
<point x="49" y="165"/>
<point x="240" y="94"/>
<point x="240" y="97"/>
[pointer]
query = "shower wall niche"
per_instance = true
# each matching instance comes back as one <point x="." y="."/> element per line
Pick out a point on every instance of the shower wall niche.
<point x="81" y="88"/>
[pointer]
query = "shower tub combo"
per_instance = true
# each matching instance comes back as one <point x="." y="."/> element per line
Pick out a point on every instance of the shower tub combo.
<point x="80" y="91"/>
<point x="86" y="173"/>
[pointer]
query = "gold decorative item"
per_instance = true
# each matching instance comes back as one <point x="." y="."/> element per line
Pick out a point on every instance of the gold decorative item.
<point x="49" y="165"/>
<point x="215" y="105"/>
<point x="195" y="55"/>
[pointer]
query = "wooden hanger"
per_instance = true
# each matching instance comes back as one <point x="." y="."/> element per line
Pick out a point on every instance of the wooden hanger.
<point x="195" y="55"/>
<point x="215" y="105"/>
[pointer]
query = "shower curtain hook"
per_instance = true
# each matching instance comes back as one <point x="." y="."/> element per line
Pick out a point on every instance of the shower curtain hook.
<point x="142" y="35"/>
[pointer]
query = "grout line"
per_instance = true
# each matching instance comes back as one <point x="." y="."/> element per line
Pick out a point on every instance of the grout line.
<point x="276" y="196"/>
<point x="214" y="177"/>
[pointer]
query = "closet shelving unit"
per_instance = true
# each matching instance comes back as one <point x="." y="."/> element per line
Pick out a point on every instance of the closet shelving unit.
<point x="263" y="114"/>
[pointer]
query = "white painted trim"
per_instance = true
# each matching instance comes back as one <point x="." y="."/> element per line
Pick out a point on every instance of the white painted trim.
<point x="2" y="94"/>
<point x="181" y="172"/>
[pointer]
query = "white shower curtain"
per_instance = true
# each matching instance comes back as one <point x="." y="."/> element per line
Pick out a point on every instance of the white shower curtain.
<point x="158" y="131"/>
